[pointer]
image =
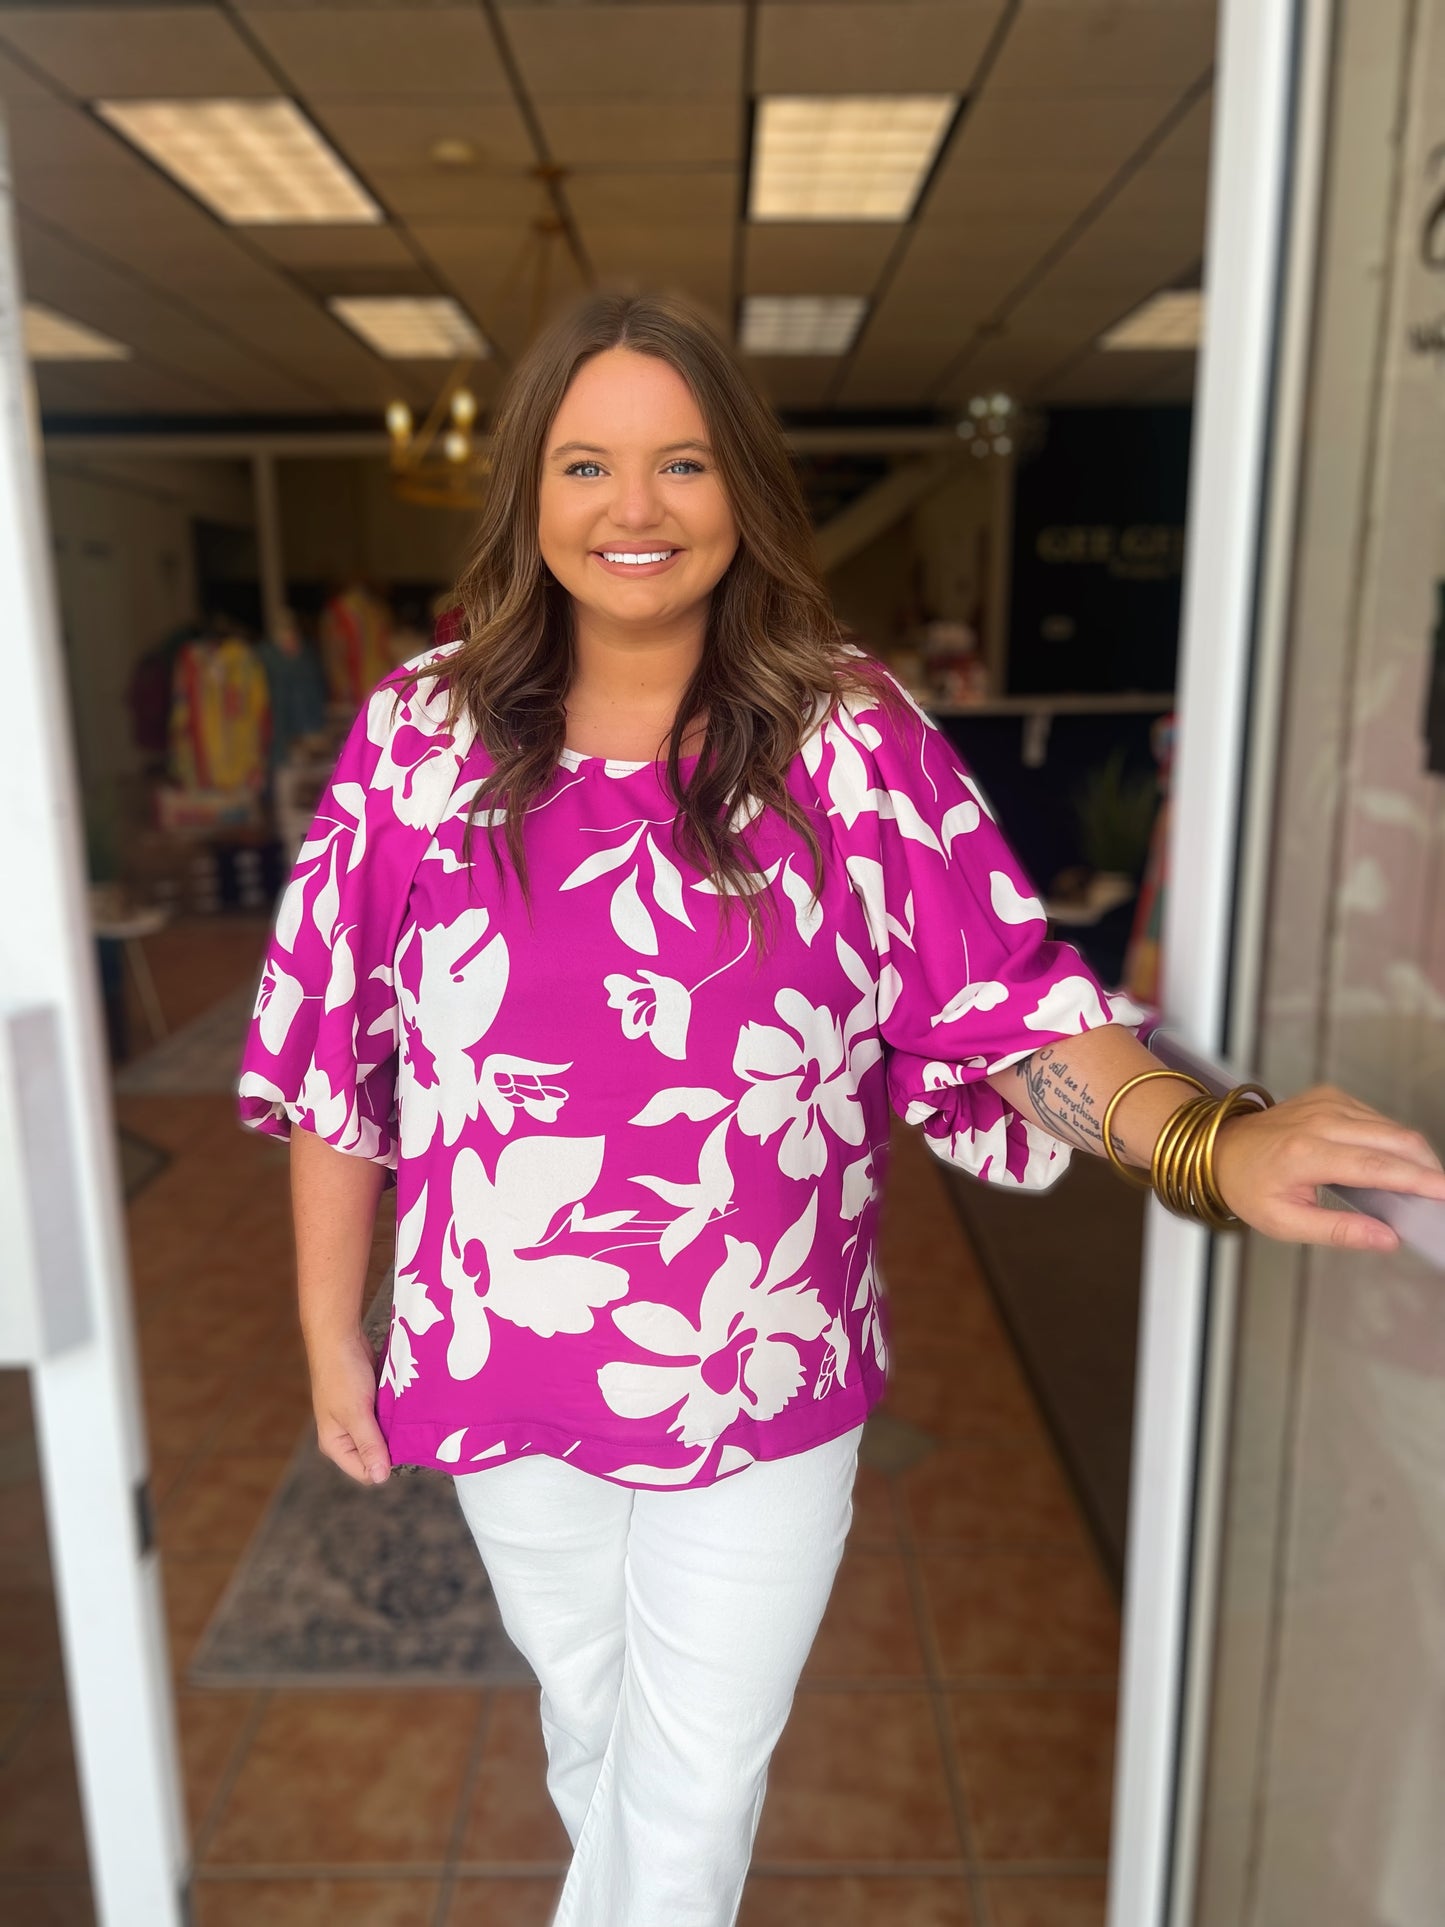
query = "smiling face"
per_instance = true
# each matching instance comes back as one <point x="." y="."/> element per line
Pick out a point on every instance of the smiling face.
<point x="628" y="471"/>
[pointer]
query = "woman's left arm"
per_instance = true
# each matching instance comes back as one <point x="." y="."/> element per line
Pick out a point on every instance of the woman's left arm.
<point x="1267" y="1163"/>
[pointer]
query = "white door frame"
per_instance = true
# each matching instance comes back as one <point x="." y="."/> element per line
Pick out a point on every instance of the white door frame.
<point x="64" y="1280"/>
<point x="1253" y="198"/>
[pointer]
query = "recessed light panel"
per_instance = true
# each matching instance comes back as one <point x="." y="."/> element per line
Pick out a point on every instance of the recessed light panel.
<point x="1174" y="319"/>
<point x="844" y="157"/>
<point x="253" y="162"/>
<point x="801" y="324"/>
<point x="55" y="337"/>
<point x="410" y="327"/>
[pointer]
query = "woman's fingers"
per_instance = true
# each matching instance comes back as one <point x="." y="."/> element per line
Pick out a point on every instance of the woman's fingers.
<point x="357" y="1446"/>
<point x="1337" y="1161"/>
<point x="1369" y="1129"/>
<point x="1313" y="1224"/>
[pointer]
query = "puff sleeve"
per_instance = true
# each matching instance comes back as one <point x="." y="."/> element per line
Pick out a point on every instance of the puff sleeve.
<point x="321" y="1049"/>
<point x="968" y="982"/>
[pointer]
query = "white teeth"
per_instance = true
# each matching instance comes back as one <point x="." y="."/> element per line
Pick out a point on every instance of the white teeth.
<point x="659" y="555"/>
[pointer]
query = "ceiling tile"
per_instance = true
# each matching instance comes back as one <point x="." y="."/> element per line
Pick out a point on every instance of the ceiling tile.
<point x="629" y="50"/>
<point x="967" y="189"/>
<point x="794" y="381"/>
<point x="668" y="197"/>
<point x="18" y="84"/>
<point x="49" y="132"/>
<point x="633" y="131"/>
<point x="1104" y="48"/>
<point x="399" y="53"/>
<point x="402" y="133"/>
<point x="783" y="257"/>
<point x="416" y="194"/>
<point x="1057" y="130"/>
<point x="305" y="248"/>
<point x="889" y="46"/>
<point x="126" y="52"/>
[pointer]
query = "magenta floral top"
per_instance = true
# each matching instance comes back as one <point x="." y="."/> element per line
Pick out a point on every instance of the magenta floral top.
<point x="637" y="1164"/>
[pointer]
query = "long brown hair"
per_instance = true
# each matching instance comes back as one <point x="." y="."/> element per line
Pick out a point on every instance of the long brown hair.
<point x="773" y="647"/>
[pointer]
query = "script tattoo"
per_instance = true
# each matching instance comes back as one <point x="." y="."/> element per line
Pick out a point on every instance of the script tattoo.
<point x="1064" y="1102"/>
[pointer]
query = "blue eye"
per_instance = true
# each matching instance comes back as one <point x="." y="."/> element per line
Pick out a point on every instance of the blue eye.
<point x="683" y="461"/>
<point x="573" y="467"/>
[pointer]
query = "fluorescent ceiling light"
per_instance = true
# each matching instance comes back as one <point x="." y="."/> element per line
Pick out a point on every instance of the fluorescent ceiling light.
<point x="844" y="157"/>
<point x="55" y="337"/>
<point x="408" y="327"/>
<point x="253" y="162"/>
<point x="801" y="324"/>
<point x="1174" y="319"/>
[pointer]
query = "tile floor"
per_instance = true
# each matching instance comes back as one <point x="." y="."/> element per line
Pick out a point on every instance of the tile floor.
<point x="948" y="1761"/>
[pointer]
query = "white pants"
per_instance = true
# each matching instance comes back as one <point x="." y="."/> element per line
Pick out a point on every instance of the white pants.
<point x="668" y="1630"/>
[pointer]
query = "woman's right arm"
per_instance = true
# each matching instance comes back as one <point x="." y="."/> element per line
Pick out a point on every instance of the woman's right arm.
<point x="334" y="1196"/>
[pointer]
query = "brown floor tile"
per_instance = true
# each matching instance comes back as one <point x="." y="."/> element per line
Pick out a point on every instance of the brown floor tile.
<point x="267" y="1415"/>
<point x="362" y="1902"/>
<point x="218" y="1504"/>
<point x="868" y="1629"/>
<point x="958" y="1390"/>
<point x="167" y="1469"/>
<point x="1037" y="1771"/>
<point x="193" y="1588"/>
<point x="1008" y="1612"/>
<point x="344" y="1777"/>
<point x="874" y="1524"/>
<point x="830" y="1901"/>
<point x="502" y="1903"/>
<point x="858" y="1776"/>
<point x="15" y="1710"/>
<point x="40" y="1823"/>
<point x="511" y="1816"/>
<point x="1047" y="1901"/>
<point x="210" y="1724"/>
<point x="23" y="1535"/>
<point x="29" y="1638"/>
<point x="17" y="1419"/>
<point x="992" y="1491"/>
<point x="183" y="1404"/>
<point x="46" y="1903"/>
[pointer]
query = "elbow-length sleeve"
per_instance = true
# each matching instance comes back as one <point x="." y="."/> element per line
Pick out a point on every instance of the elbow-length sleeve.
<point x="321" y="1049"/>
<point x="968" y="982"/>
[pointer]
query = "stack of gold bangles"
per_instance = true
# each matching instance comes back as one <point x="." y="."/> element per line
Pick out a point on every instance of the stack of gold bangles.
<point x="1181" y="1171"/>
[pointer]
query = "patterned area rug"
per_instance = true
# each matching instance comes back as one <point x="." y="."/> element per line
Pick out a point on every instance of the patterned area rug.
<point x="199" y="1059"/>
<point x="349" y="1585"/>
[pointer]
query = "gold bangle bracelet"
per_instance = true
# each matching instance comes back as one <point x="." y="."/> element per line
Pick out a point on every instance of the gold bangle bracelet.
<point x="1171" y="1166"/>
<point x="1234" y="1105"/>
<point x="1127" y="1172"/>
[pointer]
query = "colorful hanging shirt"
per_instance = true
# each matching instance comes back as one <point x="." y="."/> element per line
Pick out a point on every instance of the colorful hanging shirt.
<point x="637" y="1163"/>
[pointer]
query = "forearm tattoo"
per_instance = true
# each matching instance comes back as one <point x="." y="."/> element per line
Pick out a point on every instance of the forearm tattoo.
<point x="1065" y="1104"/>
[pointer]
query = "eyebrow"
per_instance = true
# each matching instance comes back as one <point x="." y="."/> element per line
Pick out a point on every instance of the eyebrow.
<point x="591" y="448"/>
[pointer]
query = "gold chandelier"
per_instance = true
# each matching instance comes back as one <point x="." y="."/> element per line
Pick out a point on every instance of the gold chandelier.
<point x="440" y="464"/>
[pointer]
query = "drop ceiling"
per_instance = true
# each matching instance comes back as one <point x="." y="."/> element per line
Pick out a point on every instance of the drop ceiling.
<point x="1072" y="187"/>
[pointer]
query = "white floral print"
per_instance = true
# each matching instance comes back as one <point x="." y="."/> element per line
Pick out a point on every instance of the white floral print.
<point x="637" y="1154"/>
<point x="741" y="1355"/>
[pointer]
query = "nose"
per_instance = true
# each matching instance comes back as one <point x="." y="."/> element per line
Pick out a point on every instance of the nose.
<point x="635" y="500"/>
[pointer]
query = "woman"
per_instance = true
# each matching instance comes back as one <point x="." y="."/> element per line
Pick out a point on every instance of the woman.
<point x="628" y="916"/>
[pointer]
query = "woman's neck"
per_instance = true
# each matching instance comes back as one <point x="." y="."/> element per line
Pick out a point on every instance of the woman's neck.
<point x="625" y="692"/>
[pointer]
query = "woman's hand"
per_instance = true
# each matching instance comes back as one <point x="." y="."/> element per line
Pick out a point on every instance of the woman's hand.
<point x="343" y="1397"/>
<point x="1268" y="1164"/>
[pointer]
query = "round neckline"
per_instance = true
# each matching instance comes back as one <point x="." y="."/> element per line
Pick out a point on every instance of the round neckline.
<point x="574" y="758"/>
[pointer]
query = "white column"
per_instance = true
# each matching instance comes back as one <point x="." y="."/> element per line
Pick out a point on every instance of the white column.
<point x="64" y="1284"/>
<point x="1246" y="246"/>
